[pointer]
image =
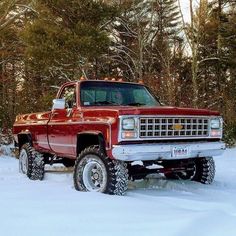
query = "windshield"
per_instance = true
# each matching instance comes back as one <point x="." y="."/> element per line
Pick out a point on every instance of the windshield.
<point x="96" y="93"/>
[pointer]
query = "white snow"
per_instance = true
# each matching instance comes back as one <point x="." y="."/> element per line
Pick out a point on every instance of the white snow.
<point x="154" y="207"/>
<point x="6" y="149"/>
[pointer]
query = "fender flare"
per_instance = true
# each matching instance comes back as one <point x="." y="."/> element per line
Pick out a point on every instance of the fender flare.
<point x="24" y="137"/>
<point x="95" y="135"/>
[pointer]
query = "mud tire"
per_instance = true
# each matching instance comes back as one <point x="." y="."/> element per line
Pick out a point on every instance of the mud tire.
<point x="35" y="162"/>
<point x="114" y="173"/>
<point x="205" y="170"/>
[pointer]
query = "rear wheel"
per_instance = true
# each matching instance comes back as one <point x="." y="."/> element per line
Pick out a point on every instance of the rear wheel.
<point x="205" y="170"/>
<point x="31" y="162"/>
<point x="200" y="169"/>
<point x="96" y="172"/>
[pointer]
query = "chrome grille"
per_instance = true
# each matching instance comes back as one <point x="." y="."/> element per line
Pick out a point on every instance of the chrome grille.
<point x="173" y="127"/>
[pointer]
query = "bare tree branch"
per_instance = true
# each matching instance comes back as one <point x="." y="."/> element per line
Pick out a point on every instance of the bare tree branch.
<point x="13" y="13"/>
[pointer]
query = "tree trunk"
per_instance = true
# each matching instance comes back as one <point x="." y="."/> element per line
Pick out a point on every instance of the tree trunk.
<point x="194" y="67"/>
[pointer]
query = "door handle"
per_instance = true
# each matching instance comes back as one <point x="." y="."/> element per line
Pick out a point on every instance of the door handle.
<point x="78" y="115"/>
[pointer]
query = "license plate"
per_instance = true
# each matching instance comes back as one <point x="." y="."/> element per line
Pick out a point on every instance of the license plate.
<point x="180" y="151"/>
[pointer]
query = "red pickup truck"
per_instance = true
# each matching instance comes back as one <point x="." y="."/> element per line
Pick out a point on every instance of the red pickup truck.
<point x="112" y="132"/>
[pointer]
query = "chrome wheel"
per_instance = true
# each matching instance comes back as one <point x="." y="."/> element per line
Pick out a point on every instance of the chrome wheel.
<point x="23" y="162"/>
<point x="94" y="174"/>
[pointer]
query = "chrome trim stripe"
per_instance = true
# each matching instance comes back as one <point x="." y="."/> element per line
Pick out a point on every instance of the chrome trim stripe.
<point x="43" y="143"/>
<point x="64" y="123"/>
<point x="29" y="124"/>
<point x="77" y="123"/>
<point x="55" y="144"/>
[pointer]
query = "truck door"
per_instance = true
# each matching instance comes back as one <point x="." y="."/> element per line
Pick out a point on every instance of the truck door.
<point x="59" y="127"/>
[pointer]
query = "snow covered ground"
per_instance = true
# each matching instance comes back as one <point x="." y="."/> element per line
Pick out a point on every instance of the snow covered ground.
<point x="53" y="207"/>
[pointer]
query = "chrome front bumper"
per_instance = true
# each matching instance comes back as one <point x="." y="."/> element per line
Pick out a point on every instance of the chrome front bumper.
<point x="164" y="151"/>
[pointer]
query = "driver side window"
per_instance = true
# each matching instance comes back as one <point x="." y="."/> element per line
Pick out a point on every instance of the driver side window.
<point x="69" y="94"/>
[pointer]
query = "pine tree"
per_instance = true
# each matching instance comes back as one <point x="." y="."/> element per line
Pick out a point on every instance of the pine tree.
<point x="228" y="32"/>
<point x="167" y="48"/>
<point x="64" y="41"/>
<point x="11" y="48"/>
<point x="145" y="37"/>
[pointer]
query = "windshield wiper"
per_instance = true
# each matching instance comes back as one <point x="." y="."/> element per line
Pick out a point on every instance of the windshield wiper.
<point x="136" y="104"/>
<point x="105" y="103"/>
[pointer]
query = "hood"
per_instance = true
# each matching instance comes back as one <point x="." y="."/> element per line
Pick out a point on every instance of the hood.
<point x="112" y="111"/>
<point x="165" y="110"/>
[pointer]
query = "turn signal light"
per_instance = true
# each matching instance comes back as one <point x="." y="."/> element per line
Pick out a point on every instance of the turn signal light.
<point x="140" y="82"/>
<point x="215" y="133"/>
<point x="113" y="79"/>
<point x="129" y="134"/>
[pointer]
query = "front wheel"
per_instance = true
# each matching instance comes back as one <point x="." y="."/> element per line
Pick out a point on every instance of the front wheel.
<point x="95" y="172"/>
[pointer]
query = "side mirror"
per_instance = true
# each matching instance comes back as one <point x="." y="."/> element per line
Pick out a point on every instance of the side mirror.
<point x="59" y="104"/>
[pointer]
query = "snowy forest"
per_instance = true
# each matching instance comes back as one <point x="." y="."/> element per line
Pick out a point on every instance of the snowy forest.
<point x="44" y="43"/>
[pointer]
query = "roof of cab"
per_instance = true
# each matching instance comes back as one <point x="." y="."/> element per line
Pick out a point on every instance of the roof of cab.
<point x="100" y="81"/>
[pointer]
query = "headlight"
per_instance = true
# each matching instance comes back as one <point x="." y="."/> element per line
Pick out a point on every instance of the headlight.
<point x="128" y="124"/>
<point x="216" y="127"/>
<point x="128" y="128"/>
<point x="215" y="123"/>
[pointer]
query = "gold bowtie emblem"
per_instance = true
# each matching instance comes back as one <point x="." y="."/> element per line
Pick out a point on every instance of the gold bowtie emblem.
<point x="177" y="127"/>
